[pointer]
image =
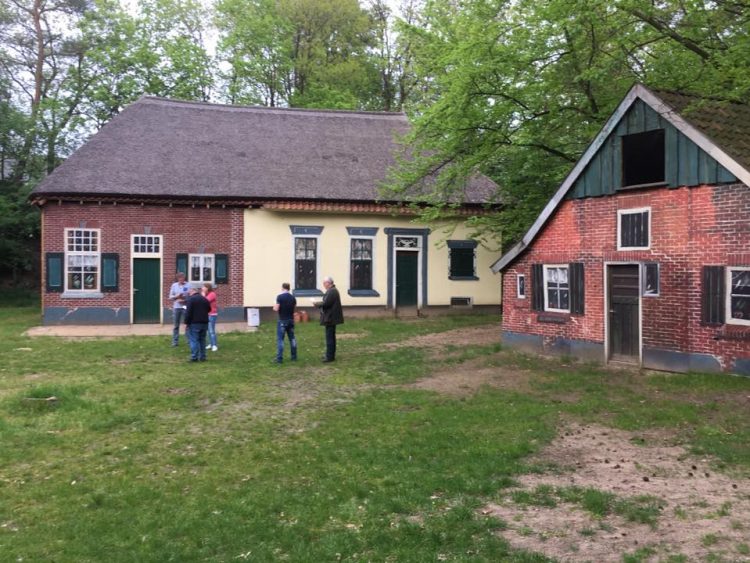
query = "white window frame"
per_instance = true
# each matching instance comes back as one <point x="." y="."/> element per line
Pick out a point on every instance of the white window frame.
<point x="546" y="268"/>
<point x="201" y="281"/>
<point x="728" y="315"/>
<point x="156" y="251"/>
<point x="372" y="260"/>
<point x="620" y="213"/>
<point x="294" y="261"/>
<point x="643" y="279"/>
<point x="519" y="293"/>
<point x="97" y="254"/>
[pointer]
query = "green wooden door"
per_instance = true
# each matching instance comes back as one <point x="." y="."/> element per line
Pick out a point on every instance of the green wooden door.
<point x="406" y="278"/>
<point x="624" y="305"/>
<point x="146" y="290"/>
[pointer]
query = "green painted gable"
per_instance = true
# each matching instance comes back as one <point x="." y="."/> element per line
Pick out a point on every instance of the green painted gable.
<point x="686" y="164"/>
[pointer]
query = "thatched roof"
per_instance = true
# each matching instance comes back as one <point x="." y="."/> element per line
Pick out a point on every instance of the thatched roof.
<point x="159" y="148"/>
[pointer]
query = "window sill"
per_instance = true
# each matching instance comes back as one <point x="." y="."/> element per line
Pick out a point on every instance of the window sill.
<point x="463" y="278"/>
<point x="660" y="184"/>
<point x="363" y="293"/>
<point x="734" y="331"/>
<point x="307" y="293"/>
<point x="555" y="318"/>
<point x="82" y="295"/>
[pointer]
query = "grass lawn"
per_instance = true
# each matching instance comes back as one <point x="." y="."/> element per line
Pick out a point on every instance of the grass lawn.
<point x="145" y="457"/>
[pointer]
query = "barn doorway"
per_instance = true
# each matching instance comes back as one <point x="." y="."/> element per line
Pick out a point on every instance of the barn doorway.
<point x="623" y="313"/>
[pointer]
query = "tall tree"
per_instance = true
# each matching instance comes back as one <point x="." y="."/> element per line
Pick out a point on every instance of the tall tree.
<point x="160" y="51"/>
<point x="517" y="89"/>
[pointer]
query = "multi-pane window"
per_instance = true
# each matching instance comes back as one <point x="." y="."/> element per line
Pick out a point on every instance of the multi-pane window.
<point x="738" y="295"/>
<point x="361" y="263"/>
<point x="146" y="244"/>
<point x="556" y="288"/>
<point x="82" y="260"/>
<point x="633" y="229"/>
<point x="201" y="268"/>
<point x="305" y="262"/>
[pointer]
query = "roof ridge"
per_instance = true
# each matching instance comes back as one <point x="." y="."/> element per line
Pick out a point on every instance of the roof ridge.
<point x="696" y="96"/>
<point x="230" y="107"/>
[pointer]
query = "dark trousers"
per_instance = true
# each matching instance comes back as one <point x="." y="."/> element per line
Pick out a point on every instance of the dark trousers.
<point x="330" y="342"/>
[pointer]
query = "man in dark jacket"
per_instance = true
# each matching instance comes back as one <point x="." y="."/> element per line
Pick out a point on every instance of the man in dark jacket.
<point x="197" y="309"/>
<point x="331" y="315"/>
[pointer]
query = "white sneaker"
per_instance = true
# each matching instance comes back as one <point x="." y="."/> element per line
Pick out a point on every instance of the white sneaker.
<point x="208" y="346"/>
<point x="214" y="348"/>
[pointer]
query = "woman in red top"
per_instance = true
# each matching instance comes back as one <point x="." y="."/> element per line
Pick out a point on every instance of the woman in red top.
<point x="210" y="294"/>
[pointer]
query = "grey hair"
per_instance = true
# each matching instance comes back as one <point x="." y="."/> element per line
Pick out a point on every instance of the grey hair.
<point x="328" y="279"/>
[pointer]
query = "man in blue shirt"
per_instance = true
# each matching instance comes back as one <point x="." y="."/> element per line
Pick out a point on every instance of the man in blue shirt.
<point x="285" y="305"/>
<point x="178" y="294"/>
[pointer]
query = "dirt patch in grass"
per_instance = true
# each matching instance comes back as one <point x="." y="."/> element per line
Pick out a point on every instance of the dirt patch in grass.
<point x="468" y="336"/>
<point x="698" y="512"/>
<point x="469" y="377"/>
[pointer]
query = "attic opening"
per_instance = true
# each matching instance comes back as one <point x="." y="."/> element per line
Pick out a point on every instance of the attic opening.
<point x="643" y="158"/>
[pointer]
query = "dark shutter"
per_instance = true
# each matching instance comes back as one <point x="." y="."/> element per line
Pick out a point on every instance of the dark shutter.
<point x="182" y="264"/>
<point x="222" y="268"/>
<point x="537" y="287"/>
<point x="110" y="272"/>
<point x="461" y="263"/>
<point x="712" y="295"/>
<point x="54" y="269"/>
<point x="577" y="288"/>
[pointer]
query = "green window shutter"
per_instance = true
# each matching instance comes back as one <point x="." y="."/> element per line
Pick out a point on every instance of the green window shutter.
<point x="577" y="288"/>
<point x="537" y="287"/>
<point x="712" y="295"/>
<point x="182" y="264"/>
<point x="54" y="269"/>
<point x="222" y="268"/>
<point x="110" y="272"/>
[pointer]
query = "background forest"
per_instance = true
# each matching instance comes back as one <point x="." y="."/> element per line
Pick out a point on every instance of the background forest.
<point x="515" y="89"/>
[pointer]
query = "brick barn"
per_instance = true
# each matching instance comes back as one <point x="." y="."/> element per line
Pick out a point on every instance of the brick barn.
<point x="247" y="198"/>
<point x="642" y="256"/>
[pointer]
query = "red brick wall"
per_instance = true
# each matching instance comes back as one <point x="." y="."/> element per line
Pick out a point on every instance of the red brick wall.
<point x="690" y="228"/>
<point x="184" y="228"/>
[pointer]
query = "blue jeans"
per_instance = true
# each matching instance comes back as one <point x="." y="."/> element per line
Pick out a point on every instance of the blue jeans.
<point x="196" y="334"/>
<point x="177" y="314"/>
<point x="282" y="328"/>
<point x="212" y="330"/>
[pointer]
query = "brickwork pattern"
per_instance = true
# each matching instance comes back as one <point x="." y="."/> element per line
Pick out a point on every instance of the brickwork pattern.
<point x="185" y="229"/>
<point x="690" y="228"/>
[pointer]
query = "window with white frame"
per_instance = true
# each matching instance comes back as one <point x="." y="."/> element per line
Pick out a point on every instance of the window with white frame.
<point x="521" y="286"/>
<point x="147" y="245"/>
<point x="650" y="280"/>
<point x="556" y="288"/>
<point x="738" y="295"/>
<point x="82" y="259"/>
<point x="201" y="268"/>
<point x="634" y="229"/>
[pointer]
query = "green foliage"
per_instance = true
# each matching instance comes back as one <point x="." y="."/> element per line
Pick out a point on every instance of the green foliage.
<point x="517" y="90"/>
<point x="301" y="53"/>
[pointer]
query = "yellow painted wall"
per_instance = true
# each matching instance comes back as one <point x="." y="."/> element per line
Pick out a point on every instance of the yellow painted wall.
<point x="269" y="258"/>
